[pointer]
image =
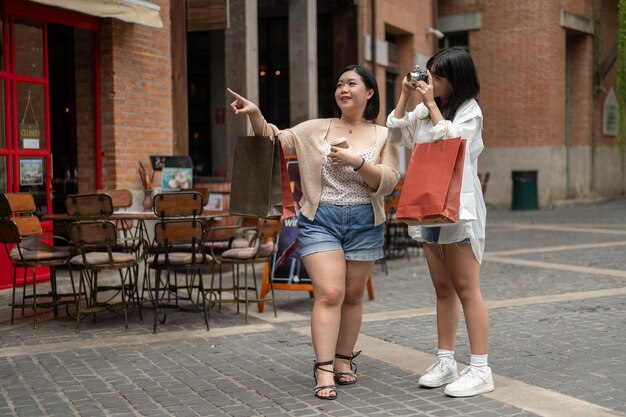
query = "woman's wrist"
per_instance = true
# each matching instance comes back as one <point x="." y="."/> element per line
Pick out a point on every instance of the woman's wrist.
<point x="360" y="165"/>
<point x="431" y="105"/>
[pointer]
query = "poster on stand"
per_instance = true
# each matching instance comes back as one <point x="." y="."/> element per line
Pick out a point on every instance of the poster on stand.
<point x="287" y="265"/>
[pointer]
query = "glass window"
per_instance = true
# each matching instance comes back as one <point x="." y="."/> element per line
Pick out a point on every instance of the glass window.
<point x="1" y="43"/>
<point x="460" y="39"/>
<point x="30" y="116"/>
<point x="3" y="142"/>
<point x="29" y="48"/>
<point x="3" y="174"/>
<point x="32" y="172"/>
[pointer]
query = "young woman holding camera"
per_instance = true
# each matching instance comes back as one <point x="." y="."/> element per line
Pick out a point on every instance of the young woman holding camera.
<point x="449" y="109"/>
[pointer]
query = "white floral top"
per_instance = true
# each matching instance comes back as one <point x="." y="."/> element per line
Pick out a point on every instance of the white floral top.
<point x="341" y="185"/>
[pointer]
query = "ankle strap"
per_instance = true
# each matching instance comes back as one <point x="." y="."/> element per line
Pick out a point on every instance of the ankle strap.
<point x="346" y="357"/>
<point x="318" y="365"/>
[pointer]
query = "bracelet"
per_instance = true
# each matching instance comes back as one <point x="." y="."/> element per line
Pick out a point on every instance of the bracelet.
<point x="360" y="166"/>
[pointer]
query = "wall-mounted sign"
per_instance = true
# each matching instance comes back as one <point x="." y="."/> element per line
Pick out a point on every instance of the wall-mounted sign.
<point x="29" y="133"/>
<point x="609" y="114"/>
<point x="161" y="161"/>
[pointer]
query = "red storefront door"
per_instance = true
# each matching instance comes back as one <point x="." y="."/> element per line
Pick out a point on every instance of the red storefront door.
<point x="26" y="128"/>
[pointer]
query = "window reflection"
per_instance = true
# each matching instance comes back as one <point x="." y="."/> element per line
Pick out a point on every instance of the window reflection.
<point x="3" y="142"/>
<point x="29" y="48"/>
<point x="3" y="174"/>
<point x="1" y="43"/>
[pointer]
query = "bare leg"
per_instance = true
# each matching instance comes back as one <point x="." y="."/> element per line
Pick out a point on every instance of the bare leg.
<point x="448" y="305"/>
<point x="465" y="273"/>
<point x="357" y="274"/>
<point x="328" y="275"/>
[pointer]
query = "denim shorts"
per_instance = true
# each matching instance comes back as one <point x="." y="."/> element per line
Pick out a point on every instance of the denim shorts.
<point x="430" y="234"/>
<point x="347" y="228"/>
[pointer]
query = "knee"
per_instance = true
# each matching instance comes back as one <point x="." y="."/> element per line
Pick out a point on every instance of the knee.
<point x="467" y="293"/>
<point x="444" y="291"/>
<point x="330" y="297"/>
<point x="353" y="298"/>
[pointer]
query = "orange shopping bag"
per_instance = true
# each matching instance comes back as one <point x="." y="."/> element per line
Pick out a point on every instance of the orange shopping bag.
<point x="431" y="192"/>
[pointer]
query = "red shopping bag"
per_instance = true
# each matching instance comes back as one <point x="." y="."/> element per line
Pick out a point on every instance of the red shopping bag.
<point x="289" y="205"/>
<point x="432" y="188"/>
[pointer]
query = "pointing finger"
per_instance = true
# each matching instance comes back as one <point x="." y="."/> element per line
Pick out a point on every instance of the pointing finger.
<point x="232" y="93"/>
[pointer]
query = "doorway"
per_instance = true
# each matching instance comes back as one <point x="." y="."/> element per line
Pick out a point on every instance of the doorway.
<point x="62" y="114"/>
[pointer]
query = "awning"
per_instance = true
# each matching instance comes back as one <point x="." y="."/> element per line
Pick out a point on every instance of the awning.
<point x="132" y="11"/>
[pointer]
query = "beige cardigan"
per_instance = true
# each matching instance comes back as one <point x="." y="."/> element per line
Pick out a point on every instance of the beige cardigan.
<point x="306" y="141"/>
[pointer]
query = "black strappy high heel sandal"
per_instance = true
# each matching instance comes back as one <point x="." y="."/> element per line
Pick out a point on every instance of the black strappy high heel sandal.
<point x="331" y="388"/>
<point x="340" y="376"/>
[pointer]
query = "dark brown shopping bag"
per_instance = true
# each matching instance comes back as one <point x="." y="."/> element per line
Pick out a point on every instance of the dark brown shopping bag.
<point x="432" y="188"/>
<point x="257" y="180"/>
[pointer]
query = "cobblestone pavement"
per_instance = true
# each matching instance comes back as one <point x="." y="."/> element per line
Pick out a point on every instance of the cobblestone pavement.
<point x="554" y="281"/>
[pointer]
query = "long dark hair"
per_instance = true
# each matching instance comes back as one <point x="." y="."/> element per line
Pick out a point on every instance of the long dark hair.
<point x="456" y="65"/>
<point x="373" y="104"/>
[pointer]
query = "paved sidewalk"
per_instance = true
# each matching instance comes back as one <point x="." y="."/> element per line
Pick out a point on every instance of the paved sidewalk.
<point x="555" y="281"/>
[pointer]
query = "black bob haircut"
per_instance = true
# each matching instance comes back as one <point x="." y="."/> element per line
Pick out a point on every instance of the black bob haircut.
<point x="373" y="104"/>
<point x="456" y="65"/>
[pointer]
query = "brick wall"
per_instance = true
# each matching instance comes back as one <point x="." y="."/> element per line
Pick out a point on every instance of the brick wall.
<point x="407" y="20"/>
<point x="451" y="7"/>
<point x="520" y="54"/>
<point x="136" y="91"/>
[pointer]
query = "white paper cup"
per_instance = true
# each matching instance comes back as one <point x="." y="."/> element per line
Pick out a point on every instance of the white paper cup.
<point x="339" y="142"/>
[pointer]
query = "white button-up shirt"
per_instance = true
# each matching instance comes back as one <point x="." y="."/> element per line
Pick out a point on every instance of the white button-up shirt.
<point x="417" y="127"/>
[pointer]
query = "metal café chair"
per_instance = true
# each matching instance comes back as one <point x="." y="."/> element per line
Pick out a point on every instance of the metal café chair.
<point x="99" y="207"/>
<point x="20" y="227"/>
<point x="178" y="248"/>
<point x="224" y="233"/>
<point x="262" y="245"/>
<point x="96" y="241"/>
<point x="121" y="200"/>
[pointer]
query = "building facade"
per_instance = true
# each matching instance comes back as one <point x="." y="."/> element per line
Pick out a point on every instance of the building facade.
<point x="88" y="88"/>
<point x="548" y="74"/>
<point x="100" y="94"/>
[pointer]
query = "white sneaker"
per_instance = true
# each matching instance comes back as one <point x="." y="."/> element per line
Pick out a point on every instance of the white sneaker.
<point x="470" y="382"/>
<point x="439" y="373"/>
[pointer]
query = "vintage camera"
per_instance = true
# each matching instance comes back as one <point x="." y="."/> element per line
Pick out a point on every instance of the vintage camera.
<point x="416" y="75"/>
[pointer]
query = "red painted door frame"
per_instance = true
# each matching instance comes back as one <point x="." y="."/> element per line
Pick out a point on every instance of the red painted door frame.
<point x="12" y="9"/>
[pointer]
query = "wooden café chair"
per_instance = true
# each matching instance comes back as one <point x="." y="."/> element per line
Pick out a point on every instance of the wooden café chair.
<point x="96" y="241"/>
<point x="262" y="245"/>
<point x="224" y="233"/>
<point x="21" y="228"/>
<point x="121" y="200"/>
<point x="178" y="248"/>
<point x="99" y="207"/>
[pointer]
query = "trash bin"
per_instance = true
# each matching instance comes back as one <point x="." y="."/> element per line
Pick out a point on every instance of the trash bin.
<point x="524" y="190"/>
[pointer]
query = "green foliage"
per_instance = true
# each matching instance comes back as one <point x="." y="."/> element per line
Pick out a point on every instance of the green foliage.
<point x="621" y="75"/>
